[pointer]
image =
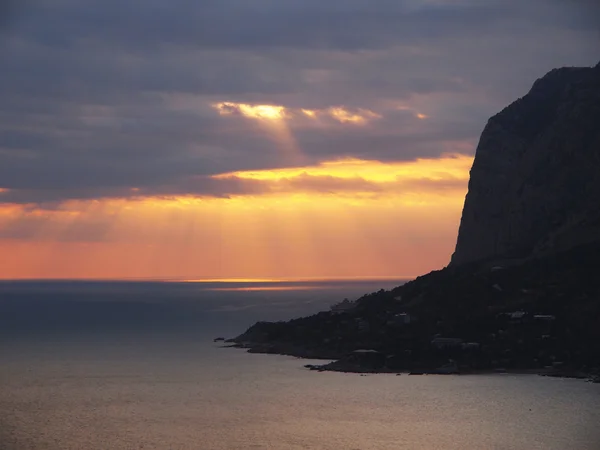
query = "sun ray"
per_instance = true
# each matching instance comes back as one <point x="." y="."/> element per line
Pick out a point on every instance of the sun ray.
<point x="272" y="119"/>
<point x="293" y="230"/>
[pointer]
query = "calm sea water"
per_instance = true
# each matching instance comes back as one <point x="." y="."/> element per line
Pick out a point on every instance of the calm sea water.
<point x="133" y="365"/>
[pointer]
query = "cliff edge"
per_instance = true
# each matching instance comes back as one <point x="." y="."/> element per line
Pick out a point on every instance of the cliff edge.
<point x="535" y="183"/>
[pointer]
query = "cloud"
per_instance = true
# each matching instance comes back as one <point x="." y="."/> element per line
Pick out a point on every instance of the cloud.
<point x="345" y="177"/>
<point x="113" y="98"/>
<point x="275" y="113"/>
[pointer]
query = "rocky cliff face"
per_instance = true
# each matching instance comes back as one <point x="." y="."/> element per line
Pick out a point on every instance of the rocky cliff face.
<point x="535" y="182"/>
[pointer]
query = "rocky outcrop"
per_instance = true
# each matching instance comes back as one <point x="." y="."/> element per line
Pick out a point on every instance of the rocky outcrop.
<point x="535" y="181"/>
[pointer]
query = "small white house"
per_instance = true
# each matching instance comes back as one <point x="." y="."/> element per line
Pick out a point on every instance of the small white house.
<point x="517" y="315"/>
<point x="403" y="318"/>
<point x="544" y="317"/>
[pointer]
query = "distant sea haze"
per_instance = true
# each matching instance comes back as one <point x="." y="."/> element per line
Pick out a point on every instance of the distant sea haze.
<point x="198" y="307"/>
<point x="93" y="365"/>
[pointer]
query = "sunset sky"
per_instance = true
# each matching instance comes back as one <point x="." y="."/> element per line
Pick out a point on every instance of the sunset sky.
<point x="268" y="139"/>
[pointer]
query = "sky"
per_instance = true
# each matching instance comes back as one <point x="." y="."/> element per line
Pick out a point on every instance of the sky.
<point x="219" y="139"/>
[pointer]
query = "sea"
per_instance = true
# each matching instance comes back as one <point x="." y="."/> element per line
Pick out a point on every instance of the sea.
<point x="132" y="365"/>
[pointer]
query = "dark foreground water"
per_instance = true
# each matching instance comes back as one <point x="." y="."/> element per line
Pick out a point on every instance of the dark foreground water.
<point x="133" y="365"/>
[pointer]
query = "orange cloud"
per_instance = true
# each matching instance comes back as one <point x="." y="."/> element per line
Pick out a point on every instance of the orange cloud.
<point x="422" y="177"/>
<point x="264" y="112"/>
<point x="336" y="219"/>
<point x="358" y="117"/>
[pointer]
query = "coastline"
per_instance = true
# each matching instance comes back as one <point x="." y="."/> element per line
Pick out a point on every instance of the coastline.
<point x="534" y="317"/>
<point x="340" y="364"/>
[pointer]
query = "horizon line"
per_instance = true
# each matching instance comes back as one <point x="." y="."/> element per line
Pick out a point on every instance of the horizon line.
<point x="216" y="280"/>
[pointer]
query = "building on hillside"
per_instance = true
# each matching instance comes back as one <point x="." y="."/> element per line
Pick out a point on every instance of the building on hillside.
<point x="443" y="342"/>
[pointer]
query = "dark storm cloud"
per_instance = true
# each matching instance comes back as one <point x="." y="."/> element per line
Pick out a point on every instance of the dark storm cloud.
<point x="242" y="24"/>
<point x="190" y="185"/>
<point x="99" y="97"/>
<point x="235" y="24"/>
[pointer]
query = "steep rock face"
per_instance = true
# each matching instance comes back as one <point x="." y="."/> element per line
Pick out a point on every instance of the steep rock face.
<point x="535" y="181"/>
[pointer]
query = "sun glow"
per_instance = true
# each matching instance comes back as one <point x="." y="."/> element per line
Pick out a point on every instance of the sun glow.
<point x="447" y="167"/>
<point x="272" y="118"/>
<point x="343" y="218"/>
<point x="310" y="113"/>
<point x="360" y="117"/>
<point x="262" y="112"/>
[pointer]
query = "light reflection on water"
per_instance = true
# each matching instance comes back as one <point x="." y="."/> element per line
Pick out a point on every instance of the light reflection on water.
<point x="267" y="288"/>
<point x="135" y="384"/>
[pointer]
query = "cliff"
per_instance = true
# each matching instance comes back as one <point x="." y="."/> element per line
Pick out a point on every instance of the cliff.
<point x="534" y="184"/>
<point x="533" y="200"/>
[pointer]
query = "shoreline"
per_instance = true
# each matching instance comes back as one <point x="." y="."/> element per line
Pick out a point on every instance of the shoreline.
<point x="337" y="364"/>
<point x="536" y="317"/>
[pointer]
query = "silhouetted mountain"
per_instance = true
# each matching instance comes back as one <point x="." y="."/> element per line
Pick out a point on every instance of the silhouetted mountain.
<point x="535" y="183"/>
<point x="522" y="290"/>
